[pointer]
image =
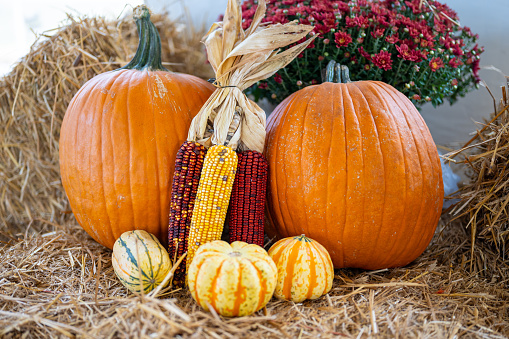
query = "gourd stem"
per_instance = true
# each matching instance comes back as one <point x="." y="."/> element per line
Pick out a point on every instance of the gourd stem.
<point x="337" y="73"/>
<point x="148" y="54"/>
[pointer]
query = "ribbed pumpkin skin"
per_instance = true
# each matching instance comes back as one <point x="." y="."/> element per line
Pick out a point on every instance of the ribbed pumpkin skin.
<point x="118" y="143"/>
<point x="354" y="167"/>
<point x="304" y="268"/>
<point x="140" y="249"/>
<point x="236" y="279"/>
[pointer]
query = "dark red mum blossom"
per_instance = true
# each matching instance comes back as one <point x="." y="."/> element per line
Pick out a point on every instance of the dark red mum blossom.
<point x="392" y="39"/>
<point x="342" y="39"/>
<point x="408" y="54"/>
<point x="364" y="53"/>
<point x="362" y="21"/>
<point x="278" y="78"/>
<point x="383" y="60"/>
<point x="475" y="70"/>
<point x="454" y="62"/>
<point x="435" y="64"/>
<point x="378" y="33"/>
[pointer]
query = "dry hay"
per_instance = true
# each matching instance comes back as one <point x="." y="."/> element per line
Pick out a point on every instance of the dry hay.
<point x="60" y="282"/>
<point x="484" y="200"/>
<point x="35" y="95"/>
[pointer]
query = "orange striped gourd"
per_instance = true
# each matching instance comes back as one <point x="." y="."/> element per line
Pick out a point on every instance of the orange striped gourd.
<point x="140" y="261"/>
<point x="247" y="205"/>
<point x="234" y="279"/>
<point x="304" y="267"/>
<point x="186" y="178"/>
<point x="212" y="199"/>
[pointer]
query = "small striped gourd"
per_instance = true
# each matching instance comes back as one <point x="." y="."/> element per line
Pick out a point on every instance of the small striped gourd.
<point x="140" y="261"/>
<point x="304" y="267"/>
<point x="234" y="279"/>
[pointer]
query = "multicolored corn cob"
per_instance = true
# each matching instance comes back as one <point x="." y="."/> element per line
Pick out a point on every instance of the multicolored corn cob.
<point x="186" y="178"/>
<point x="213" y="197"/>
<point x="247" y="205"/>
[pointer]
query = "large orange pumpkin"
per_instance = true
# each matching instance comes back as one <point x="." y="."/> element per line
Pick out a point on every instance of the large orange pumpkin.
<point x="119" y="139"/>
<point x="353" y="166"/>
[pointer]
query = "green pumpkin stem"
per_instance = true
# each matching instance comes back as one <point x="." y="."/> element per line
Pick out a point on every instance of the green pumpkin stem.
<point x="337" y="73"/>
<point x="148" y="54"/>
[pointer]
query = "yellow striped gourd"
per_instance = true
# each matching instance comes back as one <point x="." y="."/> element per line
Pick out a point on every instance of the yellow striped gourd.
<point x="234" y="279"/>
<point x="140" y="261"/>
<point x="304" y="267"/>
<point x="212" y="199"/>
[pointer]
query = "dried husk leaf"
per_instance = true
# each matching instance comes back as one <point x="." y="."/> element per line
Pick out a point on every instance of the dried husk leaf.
<point x="240" y="59"/>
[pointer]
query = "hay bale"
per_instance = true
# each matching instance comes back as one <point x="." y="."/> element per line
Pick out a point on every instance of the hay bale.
<point x="35" y="96"/>
<point x="484" y="201"/>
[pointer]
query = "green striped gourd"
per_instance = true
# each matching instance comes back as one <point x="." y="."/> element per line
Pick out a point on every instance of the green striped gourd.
<point x="140" y="261"/>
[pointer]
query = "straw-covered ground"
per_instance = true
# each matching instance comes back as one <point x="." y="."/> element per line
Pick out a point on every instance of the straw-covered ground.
<point x="60" y="282"/>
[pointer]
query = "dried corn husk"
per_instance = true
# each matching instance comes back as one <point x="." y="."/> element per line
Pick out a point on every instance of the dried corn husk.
<point x="240" y="59"/>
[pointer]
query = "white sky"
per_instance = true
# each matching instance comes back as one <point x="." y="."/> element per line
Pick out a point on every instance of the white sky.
<point x="19" y="19"/>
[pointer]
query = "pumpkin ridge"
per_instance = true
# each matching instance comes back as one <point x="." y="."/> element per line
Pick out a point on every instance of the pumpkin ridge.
<point x="357" y="85"/>
<point x="357" y="113"/>
<point x="107" y="220"/>
<point x="327" y="190"/>
<point x="399" y="236"/>
<point x="159" y="201"/>
<point x="74" y="139"/>
<point x="277" y="157"/>
<point x="423" y="200"/>
<point x="403" y="251"/>
<point x="393" y="125"/>
<point x="98" y="85"/>
<point x="110" y="226"/>
<point x="302" y="171"/>
<point x="344" y="88"/>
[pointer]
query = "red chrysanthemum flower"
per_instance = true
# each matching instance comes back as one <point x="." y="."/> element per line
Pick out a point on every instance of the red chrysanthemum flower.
<point x="342" y="39"/>
<point x="392" y="39"/>
<point x="383" y="60"/>
<point x="408" y="54"/>
<point x="435" y="64"/>
<point x="378" y="33"/>
<point x="364" y="53"/>
<point x="278" y="78"/>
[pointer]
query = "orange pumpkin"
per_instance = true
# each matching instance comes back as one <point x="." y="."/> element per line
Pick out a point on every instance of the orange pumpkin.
<point x="304" y="269"/>
<point x="353" y="166"/>
<point x="119" y="139"/>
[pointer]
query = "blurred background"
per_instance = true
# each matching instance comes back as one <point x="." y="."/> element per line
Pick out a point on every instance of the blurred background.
<point x="22" y="20"/>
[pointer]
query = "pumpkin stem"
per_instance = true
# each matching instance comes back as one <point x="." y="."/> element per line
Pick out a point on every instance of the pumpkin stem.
<point x="148" y="54"/>
<point x="337" y="73"/>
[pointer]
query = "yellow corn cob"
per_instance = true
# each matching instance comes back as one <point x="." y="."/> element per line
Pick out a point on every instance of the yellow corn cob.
<point x="212" y="199"/>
